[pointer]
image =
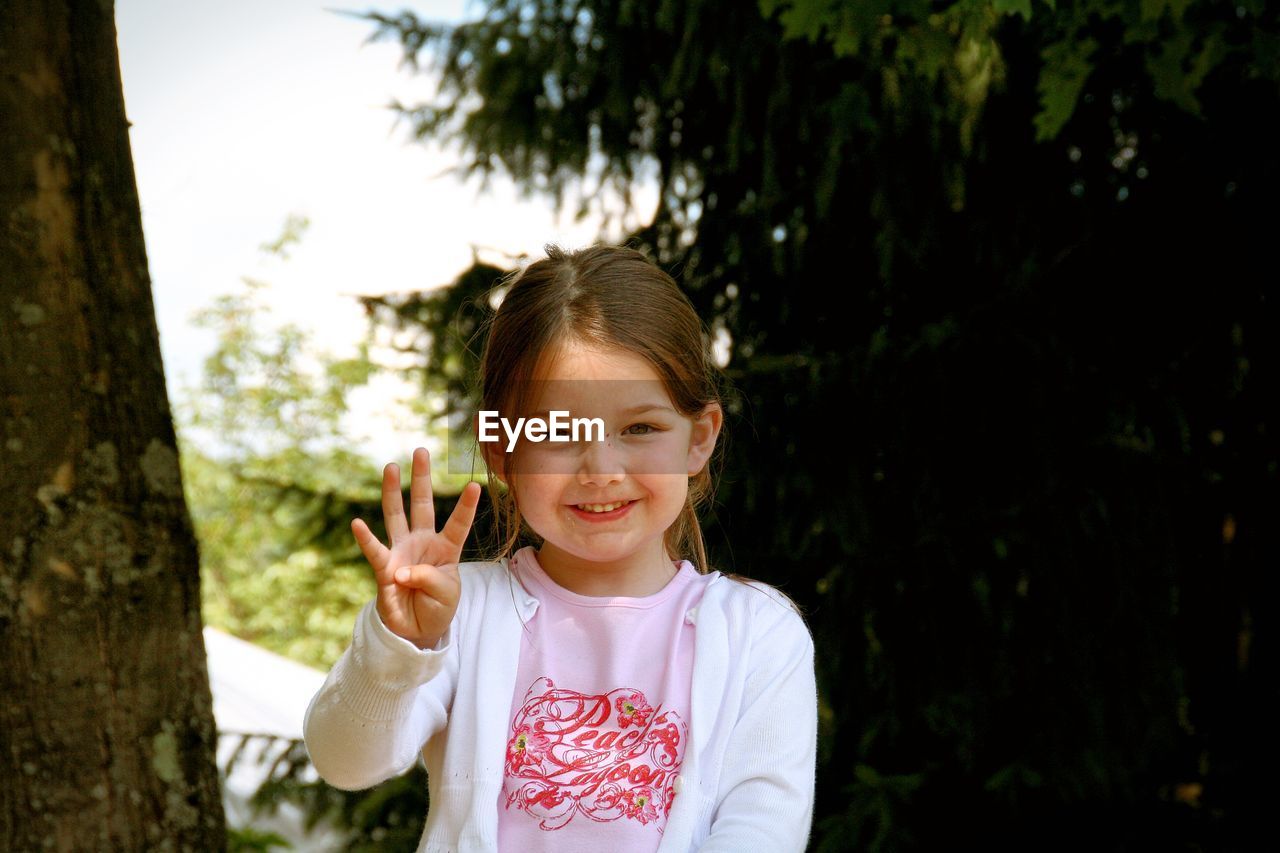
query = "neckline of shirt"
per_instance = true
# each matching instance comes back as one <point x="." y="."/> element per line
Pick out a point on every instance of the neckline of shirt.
<point x="527" y="558"/>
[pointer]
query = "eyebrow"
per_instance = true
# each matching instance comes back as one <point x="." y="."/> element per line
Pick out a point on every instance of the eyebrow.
<point x="647" y="407"/>
<point x="628" y="412"/>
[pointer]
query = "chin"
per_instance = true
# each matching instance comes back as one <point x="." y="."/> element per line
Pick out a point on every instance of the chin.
<point x="602" y="555"/>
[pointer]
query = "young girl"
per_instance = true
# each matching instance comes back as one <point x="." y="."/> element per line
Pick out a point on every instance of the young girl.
<point x="602" y="689"/>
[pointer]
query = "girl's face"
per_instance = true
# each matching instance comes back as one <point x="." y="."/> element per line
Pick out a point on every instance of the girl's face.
<point x="609" y="503"/>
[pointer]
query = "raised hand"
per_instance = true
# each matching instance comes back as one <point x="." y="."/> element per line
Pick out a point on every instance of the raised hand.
<point x="418" y="584"/>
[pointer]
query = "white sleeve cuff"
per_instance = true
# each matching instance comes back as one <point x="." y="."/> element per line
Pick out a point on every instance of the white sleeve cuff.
<point x="391" y="641"/>
<point x="381" y="671"/>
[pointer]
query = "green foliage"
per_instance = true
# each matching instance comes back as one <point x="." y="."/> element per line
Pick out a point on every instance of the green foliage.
<point x="1179" y="41"/>
<point x="868" y="821"/>
<point x="268" y="574"/>
<point x="1066" y="67"/>
<point x="267" y="501"/>
<point x="386" y="819"/>
<point x="441" y="328"/>
<point x="250" y="840"/>
<point x="273" y="477"/>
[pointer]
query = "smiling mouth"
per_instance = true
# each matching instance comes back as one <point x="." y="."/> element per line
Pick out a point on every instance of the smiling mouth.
<point x="609" y="507"/>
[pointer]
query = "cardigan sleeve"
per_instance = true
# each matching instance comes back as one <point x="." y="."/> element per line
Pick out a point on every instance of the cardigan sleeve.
<point x="764" y="802"/>
<point x="381" y="702"/>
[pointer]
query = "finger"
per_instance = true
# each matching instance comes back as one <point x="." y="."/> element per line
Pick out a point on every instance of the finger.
<point x="422" y="508"/>
<point x="393" y="504"/>
<point x="373" y="550"/>
<point x="464" y="513"/>
<point x="433" y="581"/>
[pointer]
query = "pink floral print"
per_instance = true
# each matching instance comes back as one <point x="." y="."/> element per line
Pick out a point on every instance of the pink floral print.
<point x="640" y="804"/>
<point x="525" y="748"/>
<point x="606" y="757"/>
<point x="633" y="710"/>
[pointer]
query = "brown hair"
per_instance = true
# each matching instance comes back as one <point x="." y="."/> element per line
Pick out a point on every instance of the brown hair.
<point x="605" y="296"/>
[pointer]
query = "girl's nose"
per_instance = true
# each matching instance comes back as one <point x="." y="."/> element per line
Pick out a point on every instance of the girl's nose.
<point x="600" y="464"/>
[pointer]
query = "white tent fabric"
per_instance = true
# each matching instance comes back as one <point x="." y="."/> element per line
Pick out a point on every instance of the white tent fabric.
<point x="257" y="692"/>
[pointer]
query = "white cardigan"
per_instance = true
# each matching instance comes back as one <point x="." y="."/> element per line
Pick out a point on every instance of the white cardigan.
<point x="747" y="779"/>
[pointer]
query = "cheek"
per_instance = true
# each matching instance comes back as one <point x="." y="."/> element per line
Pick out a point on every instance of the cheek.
<point x="539" y="494"/>
<point x="673" y="488"/>
<point x="664" y="457"/>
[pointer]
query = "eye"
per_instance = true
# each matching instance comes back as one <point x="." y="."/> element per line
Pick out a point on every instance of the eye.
<point x="647" y="429"/>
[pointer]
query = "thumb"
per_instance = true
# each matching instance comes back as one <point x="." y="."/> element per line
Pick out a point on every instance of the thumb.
<point x="433" y="580"/>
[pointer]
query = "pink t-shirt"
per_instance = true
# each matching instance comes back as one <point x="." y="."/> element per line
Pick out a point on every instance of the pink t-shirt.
<point x="599" y="717"/>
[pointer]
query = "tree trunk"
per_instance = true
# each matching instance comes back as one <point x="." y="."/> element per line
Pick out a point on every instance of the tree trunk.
<point x="106" y="727"/>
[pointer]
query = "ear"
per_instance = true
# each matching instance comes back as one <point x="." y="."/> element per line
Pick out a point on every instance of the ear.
<point x="702" y="441"/>
<point x="492" y="453"/>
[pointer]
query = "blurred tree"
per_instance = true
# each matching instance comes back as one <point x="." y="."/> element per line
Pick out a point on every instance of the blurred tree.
<point x="106" y="726"/>
<point x="993" y="278"/>
<point x="274" y="474"/>
<point x="386" y="819"/>
<point x="271" y="479"/>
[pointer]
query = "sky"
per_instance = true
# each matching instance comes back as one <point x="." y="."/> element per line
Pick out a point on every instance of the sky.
<point x="244" y="113"/>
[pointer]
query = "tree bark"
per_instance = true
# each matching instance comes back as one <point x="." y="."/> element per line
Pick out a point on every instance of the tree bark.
<point x="106" y="727"/>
